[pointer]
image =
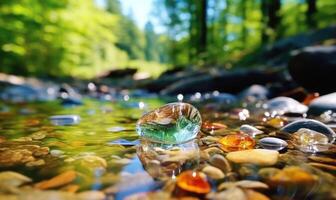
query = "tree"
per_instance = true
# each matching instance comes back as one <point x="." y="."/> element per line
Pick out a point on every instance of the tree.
<point x="270" y="18"/>
<point x="310" y="13"/>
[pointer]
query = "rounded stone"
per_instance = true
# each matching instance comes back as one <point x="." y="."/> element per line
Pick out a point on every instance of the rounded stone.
<point x="236" y="142"/>
<point x="312" y="125"/>
<point x="193" y="181"/>
<point x="273" y="143"/>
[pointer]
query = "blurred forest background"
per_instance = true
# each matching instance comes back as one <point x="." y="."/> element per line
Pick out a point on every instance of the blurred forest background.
<point x="78" y="38"/>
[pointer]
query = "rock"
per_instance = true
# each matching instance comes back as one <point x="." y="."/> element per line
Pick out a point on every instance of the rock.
<point x="330" y="168"/>
<point x="229" y="194"/>
<point x="10" y="157"/>
<point x="124" y="142"/>
<point x="35" y="163"/>
<point x="213" y="172"/>
<point x="262" y="157"/>
<point x="250" y="130"/>
<point x="64" y="120"/>
<point x="282" y="105"/>
<point x="14" y="179"/>
<point x="290" y="176"/>
<point x="246" y="184"/>
<point x="267" y="172"/>
<point x="56" y="152"/>
<point x="87" y="163"/>
<point x="323" y="160"/>
<point x="323" y="104"/>
<point x="220" y="162"/>
<point x="253" y="195"/>
<point x="314" y="63"/>
<point x="231" y="82"/>
<point x="194" y="182"/>
<point x="69" y="96"/>
<point x="91" y="195"/>
<point x="254" y="93"/>
<point x="118" y="73"/>
<point x="273" y="143"/>
<point x="312" y="125"/>
<point x="308" y="140"/>
<point x="57" y="181"/>
<point x="172" y="124"/>
<point x="236" y="142"/>
<point x="43" y="195"/>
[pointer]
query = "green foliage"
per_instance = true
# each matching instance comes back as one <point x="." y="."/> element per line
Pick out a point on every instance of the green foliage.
<point x="66" y="38"/>
<point x="237" y="27"/>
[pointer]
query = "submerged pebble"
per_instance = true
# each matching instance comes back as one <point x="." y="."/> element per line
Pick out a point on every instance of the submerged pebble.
<point x="273" y="143"/>
<point x="312" y="125"/>
<point x="250" y="130"/>
<point x="262" y="157"/>
<point x="64" y="120"/>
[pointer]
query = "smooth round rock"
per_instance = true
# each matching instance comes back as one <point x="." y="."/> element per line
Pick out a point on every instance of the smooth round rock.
<point x="262" y="157"/>
<point x="312" y="125"/>
<point x="173" y="123"/>
<point x="273" y="143"/>
<point x="213" y="172"/>
<point x="323" y="104"/>
<point x="283" y="105"/>
<point x="250" y="130"/>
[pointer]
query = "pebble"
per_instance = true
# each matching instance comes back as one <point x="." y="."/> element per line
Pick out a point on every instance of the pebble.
<point x="35" y="163"/>
<point x="229" y="194"/>
<point x="246" y="184"/>
<point x="273" y="143"/>
<point x="220" y="162"/>
<point x="213" y="172"/>
<point x="13" y="178"/>
<point x="91" y="195"/>
<point x="64" y="120"/>
<point x="292" y="175"/>
<point x="57" y="181"/>
<point x="250" y="130"/>
<point x="262" y="157"/>
<point x="282" y="105"/>
<point x="312" y="125"/>
<point x="193" y="181"/>
<point x="56" y="152"/>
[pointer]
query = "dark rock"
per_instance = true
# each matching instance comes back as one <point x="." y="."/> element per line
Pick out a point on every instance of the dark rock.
<point x="254" y="92"/>
<point x="323" y="104"/>
<point x="168" y="79"/>
<point x="68" y="96"/>
<point x="278" y="54"/>
<point x="119" y="73"/>
<point x="314" y="68"/>
<point x="231" y="82"/>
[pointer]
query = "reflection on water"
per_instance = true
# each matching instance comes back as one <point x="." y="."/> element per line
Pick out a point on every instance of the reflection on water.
<point x="164" y="161"/>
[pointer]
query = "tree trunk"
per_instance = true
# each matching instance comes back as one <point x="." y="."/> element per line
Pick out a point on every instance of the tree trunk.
<point x="270" y="18"/>
<point x="244" y="28"/>
<point x="203" y="27"/>
<point x="310" y="13"/>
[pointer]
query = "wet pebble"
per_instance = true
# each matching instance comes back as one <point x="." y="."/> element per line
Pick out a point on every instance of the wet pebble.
<point x="124" y="142"/>
<point x="273" y="143"/>
<point x="250" y="130"/>
<point x="56" y="152"/>
<point x="64" y="120"/>
<point x="254" y="156"/>
<point x="282" y="105"/>
<point x="35" y="163"/>
<point x="312" y="125"/>
<point x="57" y="181"/>
<point x="220" y="162"/>
<point x="213" y="172"/>
<point x="247" y="184"/>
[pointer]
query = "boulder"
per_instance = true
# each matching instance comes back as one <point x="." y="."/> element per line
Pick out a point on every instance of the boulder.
<point x="314" y="68"/>
<point x="323" y="104"/>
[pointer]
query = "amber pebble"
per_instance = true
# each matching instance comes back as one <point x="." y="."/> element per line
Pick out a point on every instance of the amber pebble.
<point x="253" y="195"/>
<point x="60" y="180"/>
<point x="192" y="181"/>
<point x="276" y="122"/>
<point x="236" y="142"/>
<point x="212" y="126"/>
